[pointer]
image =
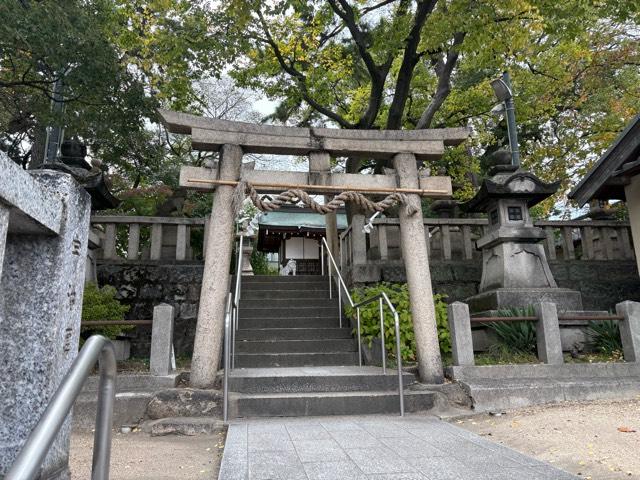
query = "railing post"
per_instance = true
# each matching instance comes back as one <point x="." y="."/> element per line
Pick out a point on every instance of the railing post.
<point x="396" y="321"/>
<point x="109" y="247"/>
<point x="568" y="250"/>
<point x="133" y="244"/>
<point x="548" y="333"/>
<point x="156" y="241"/>
<point x="551" y="243"/>
<point x="630" y="330"/>
<point x="445" y="239"/>
<point x="359" y="340"/>
<point x="586" y="238"/>
<point x="467" y="243"/>
<point x="182" y="242"/>
<point x="461" y="338"/>
<point x="359" y="240"/>
<point x="384" y="350"/>
<point x="382" y="242"/>
<point x="161" y="340"/>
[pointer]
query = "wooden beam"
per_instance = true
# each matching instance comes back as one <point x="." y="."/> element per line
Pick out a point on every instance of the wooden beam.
<point x="199" y="178"/>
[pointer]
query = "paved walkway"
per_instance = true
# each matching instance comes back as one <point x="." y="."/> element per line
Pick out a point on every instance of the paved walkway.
<point x="370" y="448"/>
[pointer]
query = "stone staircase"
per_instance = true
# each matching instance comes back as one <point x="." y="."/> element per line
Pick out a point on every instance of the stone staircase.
<point x="293" y="359"/>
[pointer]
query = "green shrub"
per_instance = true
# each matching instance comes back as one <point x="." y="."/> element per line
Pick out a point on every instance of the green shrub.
<point x="604" y="336"/>
<point x="517" y="336"/>
<point x="260" y="264"/>
<point x="399" y="296"/>
<point x="101" y="304"/>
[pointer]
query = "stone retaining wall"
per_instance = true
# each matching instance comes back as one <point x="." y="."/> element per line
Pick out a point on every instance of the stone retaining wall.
<point x="143" y="285"/>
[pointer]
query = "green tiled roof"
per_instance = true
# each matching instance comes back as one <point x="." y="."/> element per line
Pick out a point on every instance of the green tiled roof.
<point x="302" y="220"/>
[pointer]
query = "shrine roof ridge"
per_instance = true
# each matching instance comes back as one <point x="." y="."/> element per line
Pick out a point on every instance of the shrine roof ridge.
<point x="210" y="133"/>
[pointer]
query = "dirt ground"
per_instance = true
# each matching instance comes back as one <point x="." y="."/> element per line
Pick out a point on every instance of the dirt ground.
<point x="139" y="456"/>
<point x="595" y="440"/>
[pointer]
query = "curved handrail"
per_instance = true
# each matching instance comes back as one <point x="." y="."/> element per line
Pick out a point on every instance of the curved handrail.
<point x="96" y="349"/>
<point x="235" y="312"/>
<point x="380" y="297"/>
<point x="228" y="327"/>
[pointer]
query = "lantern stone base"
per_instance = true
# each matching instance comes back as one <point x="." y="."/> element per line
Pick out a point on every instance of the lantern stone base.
<point x="501" y="298"/>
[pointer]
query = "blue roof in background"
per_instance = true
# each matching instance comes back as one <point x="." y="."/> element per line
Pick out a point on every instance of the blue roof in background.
<point x="302" y="219"/>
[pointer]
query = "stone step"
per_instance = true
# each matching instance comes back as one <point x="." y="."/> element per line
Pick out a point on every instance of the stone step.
<point x="253" y="279"/>
<point x="326" y="403"/>
<point x="279" y="294"/>
<point x="188" y="426"/>
<point x="315" y="379"/>
<point x="295" y="346"/>
<point x="316" y="286"/>
<point x="510" y="393"/>
<point x="292" y="333"/>
<point x="267" y="311"/>
<point x="288" y="302"/>
<point x="307" y="322"/>
<point x="262" y="360"/>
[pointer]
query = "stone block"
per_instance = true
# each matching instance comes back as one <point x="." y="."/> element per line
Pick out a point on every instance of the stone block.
<point x="630" y="330"/>
<point x="161" y="340"/>
<point x="564" y="298"/>
<point x="461" y="339"/>
<point x="548" y="333"/>
<point x="41" y="292"/>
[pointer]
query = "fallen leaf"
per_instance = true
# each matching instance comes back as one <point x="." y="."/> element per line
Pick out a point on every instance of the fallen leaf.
<point x="626" y="430"/>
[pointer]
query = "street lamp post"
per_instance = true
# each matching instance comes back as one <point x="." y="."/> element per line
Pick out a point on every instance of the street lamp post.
<point x="504" y="92"/>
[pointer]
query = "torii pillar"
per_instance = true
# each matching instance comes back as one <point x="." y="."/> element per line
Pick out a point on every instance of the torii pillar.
<point x="416" y="264"/>
<point x="207" y="347"/>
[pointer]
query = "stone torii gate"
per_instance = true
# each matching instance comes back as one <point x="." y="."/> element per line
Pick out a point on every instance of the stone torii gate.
<point x="403" y="184"/>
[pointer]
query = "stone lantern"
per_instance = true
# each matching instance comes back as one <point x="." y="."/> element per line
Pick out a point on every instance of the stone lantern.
<point x="515" y="271"/>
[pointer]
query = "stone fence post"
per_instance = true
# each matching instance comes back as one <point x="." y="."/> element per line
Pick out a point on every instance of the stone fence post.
<point x="161" y="340"/>
<point x="548" y="334"/>
<point x="630" y="330"/>
<point x="460" y="328"/>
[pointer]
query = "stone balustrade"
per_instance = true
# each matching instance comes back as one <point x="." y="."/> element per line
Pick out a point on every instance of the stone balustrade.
<point x="135" y="238"/>
<point x="453" y="239"/>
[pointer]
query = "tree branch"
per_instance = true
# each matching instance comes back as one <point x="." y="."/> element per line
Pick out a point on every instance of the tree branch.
<point x="444" y="69"/>
<point x="409" y="61"/>
<point x="299" y="78"/>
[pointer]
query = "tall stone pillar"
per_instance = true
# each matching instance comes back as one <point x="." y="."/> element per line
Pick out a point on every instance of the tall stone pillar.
<point x="416" y="262"/>
<point x="207" y="346"/>
<point x="319" y="169"/>
<point x="41" y="287"/>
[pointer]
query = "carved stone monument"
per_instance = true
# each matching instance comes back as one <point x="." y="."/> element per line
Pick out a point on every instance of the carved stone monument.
<point x="515" y="271"/>
<point x="44" y="226"/>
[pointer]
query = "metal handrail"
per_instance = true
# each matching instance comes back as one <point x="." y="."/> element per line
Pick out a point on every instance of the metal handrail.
<point x="380" y="297"/>
<point x="235" y="312"/>
<point x="96" y="349"/>
<point x="228" y="327"/>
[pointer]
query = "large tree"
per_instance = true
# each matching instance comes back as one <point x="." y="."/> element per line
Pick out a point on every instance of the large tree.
<point x="417" y="64"/>
<point x="118" y="61"/>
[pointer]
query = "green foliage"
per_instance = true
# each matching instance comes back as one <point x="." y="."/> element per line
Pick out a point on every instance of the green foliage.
<point x="353" y="64"/>
<point x="520" y="337"/>
<point x="502" y="355"/>
<point x="604" y="336"/>
<point x="399" y="296"/>
<point x="119" y="60"/>
<point x="101" y="304"/>
<point x="260" y="264"/>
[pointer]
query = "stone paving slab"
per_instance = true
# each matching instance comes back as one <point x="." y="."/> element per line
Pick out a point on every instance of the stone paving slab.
<point x="370" y="448"/>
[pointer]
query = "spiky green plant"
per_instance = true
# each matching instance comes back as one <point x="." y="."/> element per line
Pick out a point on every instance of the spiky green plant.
<point x="604" y="336"/>
<point x="517" y="336"/>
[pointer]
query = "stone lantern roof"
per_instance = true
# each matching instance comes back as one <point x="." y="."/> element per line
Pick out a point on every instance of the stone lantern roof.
<point x="510" y="182"/>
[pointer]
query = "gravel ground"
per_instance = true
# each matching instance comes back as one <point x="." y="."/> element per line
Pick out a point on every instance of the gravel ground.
<point x="139" y="456"/>
<point x="581" y="438"/>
